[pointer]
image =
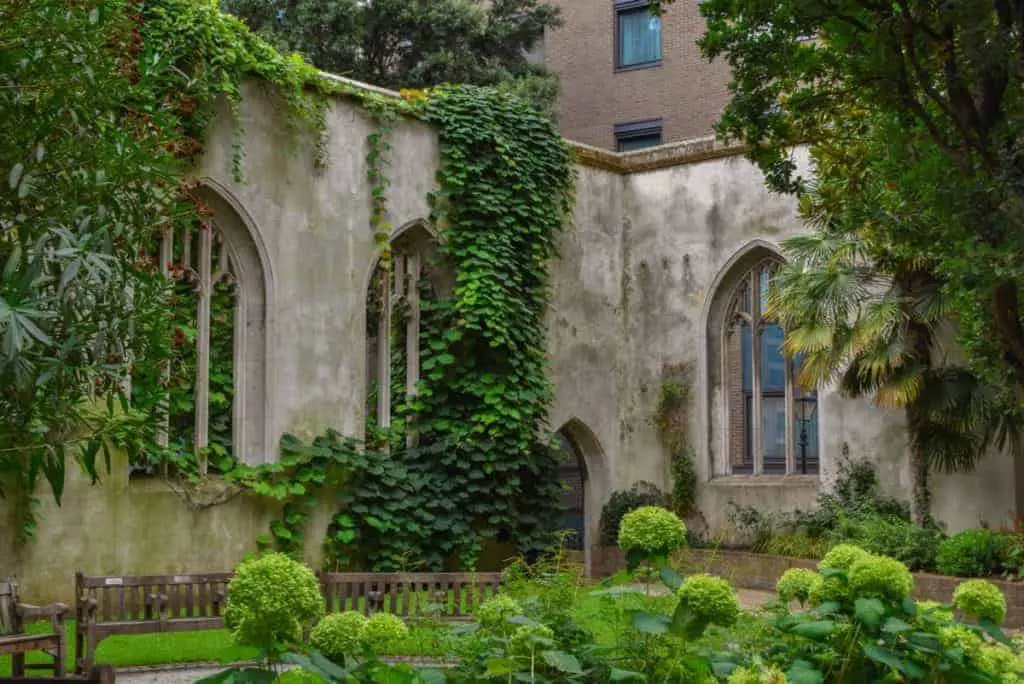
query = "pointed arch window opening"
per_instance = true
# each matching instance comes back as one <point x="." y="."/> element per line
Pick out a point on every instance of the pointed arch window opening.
<point x="203" y="269"/>
<point x="572" y="473"/>
<point x="772" y="423"/>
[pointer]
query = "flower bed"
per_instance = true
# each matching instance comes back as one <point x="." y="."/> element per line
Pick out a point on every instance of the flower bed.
<point x="761" y="571"/>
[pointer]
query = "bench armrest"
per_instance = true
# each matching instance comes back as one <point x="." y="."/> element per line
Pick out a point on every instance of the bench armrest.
<point x="55" y="612"/>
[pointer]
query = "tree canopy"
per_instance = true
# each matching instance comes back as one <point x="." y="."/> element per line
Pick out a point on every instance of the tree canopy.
<point x="413" y="43"/>
<point x="912" y="111"/>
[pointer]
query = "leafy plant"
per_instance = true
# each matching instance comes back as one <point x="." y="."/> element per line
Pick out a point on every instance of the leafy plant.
<point x="651" y="532"/>
<point x="981" y="600"/>
<point x="338" y="635"/>
<point x="622" y="502"/>
<point x="273" y="601"/>
<point x="973" y="553"/>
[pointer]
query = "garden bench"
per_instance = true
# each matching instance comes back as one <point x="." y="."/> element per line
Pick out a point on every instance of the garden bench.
<point x="143" y="605"/>
<point x="14" y="616"/>
<point x="445" y="595"/>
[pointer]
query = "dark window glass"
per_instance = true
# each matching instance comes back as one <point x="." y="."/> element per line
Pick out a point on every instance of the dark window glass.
<point x="639" y="35"/>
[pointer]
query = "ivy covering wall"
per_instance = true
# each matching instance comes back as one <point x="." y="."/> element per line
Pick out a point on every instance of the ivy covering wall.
<point x="481" y="465"/>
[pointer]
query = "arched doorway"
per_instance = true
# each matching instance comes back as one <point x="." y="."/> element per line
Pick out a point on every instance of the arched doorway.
<point x="572" y="472"/>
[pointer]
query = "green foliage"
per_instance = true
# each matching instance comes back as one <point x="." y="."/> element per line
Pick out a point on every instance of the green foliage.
<point x="272" y="600"/>
<point x="796" y="584"/>
<point x="652" y="531"/>
<point x="843" y="556"/>
<point x="710" y="599"/>
<point x="493" y="614"/>
<point x="505" y="187"/>
<point x="672" y="419"/>
<point x="684" y="483"/>
<point x="756" y="675"/>
<point x="891" y="536"/>
<point x="406" y="44"/>
<point x="299" y="475"/>
<point x="338" y="635"/>
<point x="880" y="577"/>
<point x="383" y="630"/>
<point x="527" y="639"/>
<point x="622" y="502"/>
<point x="980" y="599"/>
<point x="972" y="553"/>
<point x="795" y="545"/>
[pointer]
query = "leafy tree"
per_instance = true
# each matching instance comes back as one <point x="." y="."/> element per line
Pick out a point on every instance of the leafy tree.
<point x="413" y="43"/>
<point x="87" y="180"/>
<point x="854" y="314"/>
<point x="926" y="98"/>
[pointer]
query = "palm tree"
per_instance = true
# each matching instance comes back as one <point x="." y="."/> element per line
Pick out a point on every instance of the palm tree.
<point x="875" y="324"/>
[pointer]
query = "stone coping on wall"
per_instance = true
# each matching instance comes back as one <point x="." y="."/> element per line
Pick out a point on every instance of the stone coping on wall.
<point x="761" y="571"/>
<point x="650" y="159"/>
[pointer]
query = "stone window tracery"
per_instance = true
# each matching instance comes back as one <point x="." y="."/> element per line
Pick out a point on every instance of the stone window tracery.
<point x="771" y="424"/>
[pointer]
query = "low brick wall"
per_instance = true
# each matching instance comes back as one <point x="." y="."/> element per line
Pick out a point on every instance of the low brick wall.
<point x="761" y="571"/>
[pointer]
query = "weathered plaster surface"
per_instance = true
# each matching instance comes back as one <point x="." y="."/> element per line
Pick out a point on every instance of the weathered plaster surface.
<point x="651" y="238"/>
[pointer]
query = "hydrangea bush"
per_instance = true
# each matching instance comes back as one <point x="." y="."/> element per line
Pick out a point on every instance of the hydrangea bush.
<point x="339" y="634"/>
<point x="880" y="577"/>
<point x="710" y="598"/>
<point x="652" y="531"/>
<point x="493" y="614"/>
<point x="796" y="584"/>
<point x="272" y="599"/>
<point x="842" y="556"/>
<point x="382" y="631"/>
<point x="980" y="599"/>
<point x="527" y="639"/>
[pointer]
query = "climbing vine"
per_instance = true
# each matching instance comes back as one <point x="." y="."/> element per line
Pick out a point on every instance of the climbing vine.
<point x="481" y="464"/>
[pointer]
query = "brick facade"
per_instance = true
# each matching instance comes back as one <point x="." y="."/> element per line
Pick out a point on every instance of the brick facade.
<point x="685" y="91"/>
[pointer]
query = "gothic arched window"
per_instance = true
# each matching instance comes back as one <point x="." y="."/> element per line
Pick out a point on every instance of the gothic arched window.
<point x="771" y="424"/>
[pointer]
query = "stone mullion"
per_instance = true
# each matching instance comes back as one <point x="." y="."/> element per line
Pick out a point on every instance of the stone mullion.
<point x="384" y="349"/>
<point x="204" y="288"/>
<point x="756" y="443"/>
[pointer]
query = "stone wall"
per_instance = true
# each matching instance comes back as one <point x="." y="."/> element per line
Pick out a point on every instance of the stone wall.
<point x="653" y="237"/>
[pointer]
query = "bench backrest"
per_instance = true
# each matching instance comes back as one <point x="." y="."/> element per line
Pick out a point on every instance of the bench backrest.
<point x="447" y="595"/>
<point x="151" y="597"/>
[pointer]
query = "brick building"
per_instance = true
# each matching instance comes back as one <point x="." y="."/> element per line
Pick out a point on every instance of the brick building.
<point x="630" y="80"/>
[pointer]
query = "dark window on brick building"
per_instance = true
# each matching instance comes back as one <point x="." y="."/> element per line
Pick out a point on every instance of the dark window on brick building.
<point x="637" y="35"/>
<point x="637" y="135"/>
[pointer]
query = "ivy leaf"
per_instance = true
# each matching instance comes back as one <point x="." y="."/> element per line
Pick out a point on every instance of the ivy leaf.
<point x="15" y="175"/>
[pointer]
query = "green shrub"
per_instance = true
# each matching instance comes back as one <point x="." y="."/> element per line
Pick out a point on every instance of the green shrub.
<point x="935" y="610"/>
<point x="382" y="631"/>
<point x="622" y="502"/>
<point x="973" y="553"/>
<point x="709" y="598"/>
<point x="651" y="530"/>
<point x="796" y="583"/>
<point x="796" y="545"/>
<point x="888" y="535"/>
<point x="272" y="599"/>
<point x="338" y="635"/>
<point x="980" y="599"/>
<point x="529" y="638"/>
<point x="493" y="614"/>
<point x="684" y="483"/>
<point x="842" y="556"/>
<point x="880" y="577"/>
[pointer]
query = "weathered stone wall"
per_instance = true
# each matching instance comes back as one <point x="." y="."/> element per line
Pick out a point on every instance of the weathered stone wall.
<point x="653" y="236"/>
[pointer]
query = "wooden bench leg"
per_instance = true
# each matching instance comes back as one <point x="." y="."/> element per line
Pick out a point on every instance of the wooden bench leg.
<point x="60" y="665"/>
<point x="18" y="665"/>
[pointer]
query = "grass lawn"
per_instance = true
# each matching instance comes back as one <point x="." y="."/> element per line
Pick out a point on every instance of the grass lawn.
<point x="206" y="646"/>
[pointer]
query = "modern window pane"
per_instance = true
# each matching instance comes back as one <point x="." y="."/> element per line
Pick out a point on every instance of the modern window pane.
<point x="638" y="142"/>
<point x="639" y="36"/>
<point x="773" y="433"/>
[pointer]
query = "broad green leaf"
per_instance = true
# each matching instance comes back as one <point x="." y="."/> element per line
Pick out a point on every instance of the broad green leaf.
<point x="814" y="630"/>
<point x="884" y="656"/>
<point x="563" y="662"/>
<point x="618" y="675"/>
<point x="672" y="579"/>
<point x="14" y="175"/>
<point x="650" y="624"/>
<point x="802" y="672"/>
<point x="895" y="626"/>
<point x="869" y="611"/>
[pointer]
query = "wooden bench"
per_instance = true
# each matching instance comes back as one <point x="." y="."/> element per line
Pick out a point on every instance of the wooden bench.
<point x="14" y="616"/>
<point x="445" y="595"/>
<point x="144" y="605"/>
<point x="99" y="674"/>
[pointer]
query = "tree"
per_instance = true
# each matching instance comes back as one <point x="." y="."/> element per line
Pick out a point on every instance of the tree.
<point x="855" y="314"/>
<point x="87" y="180"/>
<point x="930" y="96"/>
<point x="413" y="43"/>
